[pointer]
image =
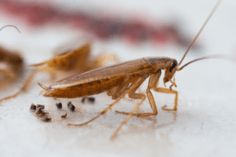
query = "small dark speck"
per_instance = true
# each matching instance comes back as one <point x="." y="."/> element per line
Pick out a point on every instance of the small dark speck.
<point x="46" y="119"/>
<point x="64" y="116"/>
<point x="59" y="105"/>
<point x="71" y="106"/>
<point x="33" y="107"/>
<point x="90" y="99"/>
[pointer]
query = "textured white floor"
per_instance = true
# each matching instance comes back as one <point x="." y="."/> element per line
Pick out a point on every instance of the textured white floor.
<point x="204" y="125"/>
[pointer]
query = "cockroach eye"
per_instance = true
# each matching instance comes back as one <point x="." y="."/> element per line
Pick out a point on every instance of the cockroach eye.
<point x="174" y="64"/>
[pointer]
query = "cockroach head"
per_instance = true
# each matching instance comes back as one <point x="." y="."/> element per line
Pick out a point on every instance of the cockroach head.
<point x="171" y="68"/>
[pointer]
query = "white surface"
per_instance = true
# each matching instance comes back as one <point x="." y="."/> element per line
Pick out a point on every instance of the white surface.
<point x="204" y="125"/>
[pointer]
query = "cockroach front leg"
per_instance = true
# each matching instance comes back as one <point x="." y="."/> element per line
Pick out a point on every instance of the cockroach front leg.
<point x="168" y="91"/>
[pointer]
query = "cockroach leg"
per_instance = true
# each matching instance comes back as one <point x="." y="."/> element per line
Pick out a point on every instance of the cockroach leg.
<point x="126" y="120"/>
<point x="102" y="112"/>
<point x="24" y="87"/>
<point x="141" y="96"/>
<point x="168" y="91"/>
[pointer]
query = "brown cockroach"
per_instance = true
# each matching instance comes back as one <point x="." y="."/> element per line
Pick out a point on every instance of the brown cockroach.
<point x="125" y="78"/>
<point x="72" y="61"/>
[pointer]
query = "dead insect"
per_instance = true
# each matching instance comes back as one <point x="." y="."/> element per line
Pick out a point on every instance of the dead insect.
<point x="59" y="105"/>
<point x="90" y="99"/>
<point x="71" y="107"/>
<point x="125" y="78"/>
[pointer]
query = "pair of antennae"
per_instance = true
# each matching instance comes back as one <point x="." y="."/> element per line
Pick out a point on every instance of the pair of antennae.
<point x="196" y="37"/>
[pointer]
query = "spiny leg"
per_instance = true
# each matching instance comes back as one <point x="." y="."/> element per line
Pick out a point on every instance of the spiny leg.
<point x="24" y="87"/>
<point x="169" y="91"/>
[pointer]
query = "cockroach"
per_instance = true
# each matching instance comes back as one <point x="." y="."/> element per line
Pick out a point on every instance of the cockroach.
<point x="14" y="64"/>
<point x="125" y="78"/>
<point x="76" y="60"/>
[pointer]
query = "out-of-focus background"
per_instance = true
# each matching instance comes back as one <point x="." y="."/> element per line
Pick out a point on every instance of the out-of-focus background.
<point x="205" y="123"/>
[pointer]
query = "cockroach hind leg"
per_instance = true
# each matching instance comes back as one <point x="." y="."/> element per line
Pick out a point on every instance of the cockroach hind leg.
<point x="125" y="121"/>
<point x="102" y="112"/>
<point x="169" y="91"/>
<point x="136" y="114"/>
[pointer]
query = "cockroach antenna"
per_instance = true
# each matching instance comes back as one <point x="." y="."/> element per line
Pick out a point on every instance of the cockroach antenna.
<point x="207" y="57"/>
<point x="13" y="26"/>
<point x="197" y="36"/>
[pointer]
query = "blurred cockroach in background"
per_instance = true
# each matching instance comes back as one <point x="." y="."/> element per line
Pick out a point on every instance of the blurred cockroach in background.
<point x="75" y="60"/>
<point x="11" y="64"/>
<point x="125" y="78"/>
